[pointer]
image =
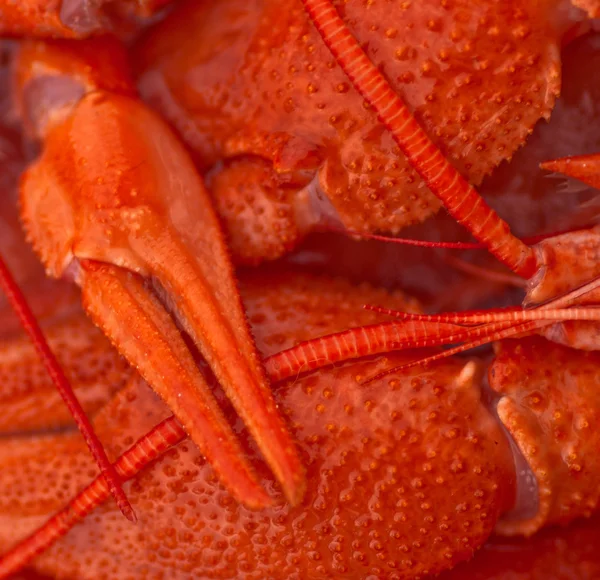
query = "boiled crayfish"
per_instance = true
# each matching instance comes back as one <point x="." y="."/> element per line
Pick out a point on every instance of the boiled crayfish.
<point x="302" y="116"/>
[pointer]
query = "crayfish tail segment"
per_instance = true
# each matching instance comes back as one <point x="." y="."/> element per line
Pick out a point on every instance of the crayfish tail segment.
<point x="585" y="168"/>
<point x="145" y="334"/>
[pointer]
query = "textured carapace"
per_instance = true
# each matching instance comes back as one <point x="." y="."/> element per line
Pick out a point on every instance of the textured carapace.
<point x="393" y="446"/>
<point x="28" y="397"/>
<point x="550" y="392"/>
<point x="477" y="76"/>
<point x="357" y="443"/>
<point x="532" y="202"/>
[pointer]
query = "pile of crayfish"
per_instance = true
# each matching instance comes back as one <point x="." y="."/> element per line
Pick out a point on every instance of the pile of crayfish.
<point x="201" y="205"/>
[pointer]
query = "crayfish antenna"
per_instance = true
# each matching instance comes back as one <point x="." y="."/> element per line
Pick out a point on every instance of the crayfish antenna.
<point x="486" y="334"/>
<point x="471" y="318"/>
<point x="431" y="244"/>
<point x="148" y="448"/>
<point x="416" y="331"/>
<point x="460" y="198"/>
<point x="425" y="331"/>
<point x="485" y="273"/>
<point x="484" y="326"/>
<point x="30" y="325"/>
<point x="144" y="451"/>
<point x="353" y="343"/>
<point x="403" y="241"/>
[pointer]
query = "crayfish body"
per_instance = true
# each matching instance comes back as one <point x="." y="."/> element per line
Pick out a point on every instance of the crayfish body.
<point x="295" y="434"/>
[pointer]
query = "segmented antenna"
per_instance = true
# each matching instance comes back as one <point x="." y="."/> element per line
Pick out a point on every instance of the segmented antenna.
<point x="29" y="323"/>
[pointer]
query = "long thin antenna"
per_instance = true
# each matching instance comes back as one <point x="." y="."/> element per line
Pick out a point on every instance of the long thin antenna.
<point x="459" y="197"/>
<point x="29" y="323"/>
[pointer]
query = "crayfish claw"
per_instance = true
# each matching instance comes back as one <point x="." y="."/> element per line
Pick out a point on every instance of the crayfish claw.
<point x="585" y="168"/>
<point x="131" y="216"/>
<point x="137" y="324"/>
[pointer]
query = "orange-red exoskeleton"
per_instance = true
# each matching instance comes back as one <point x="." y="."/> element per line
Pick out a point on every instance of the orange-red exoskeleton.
<point x="262" y="123"/>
